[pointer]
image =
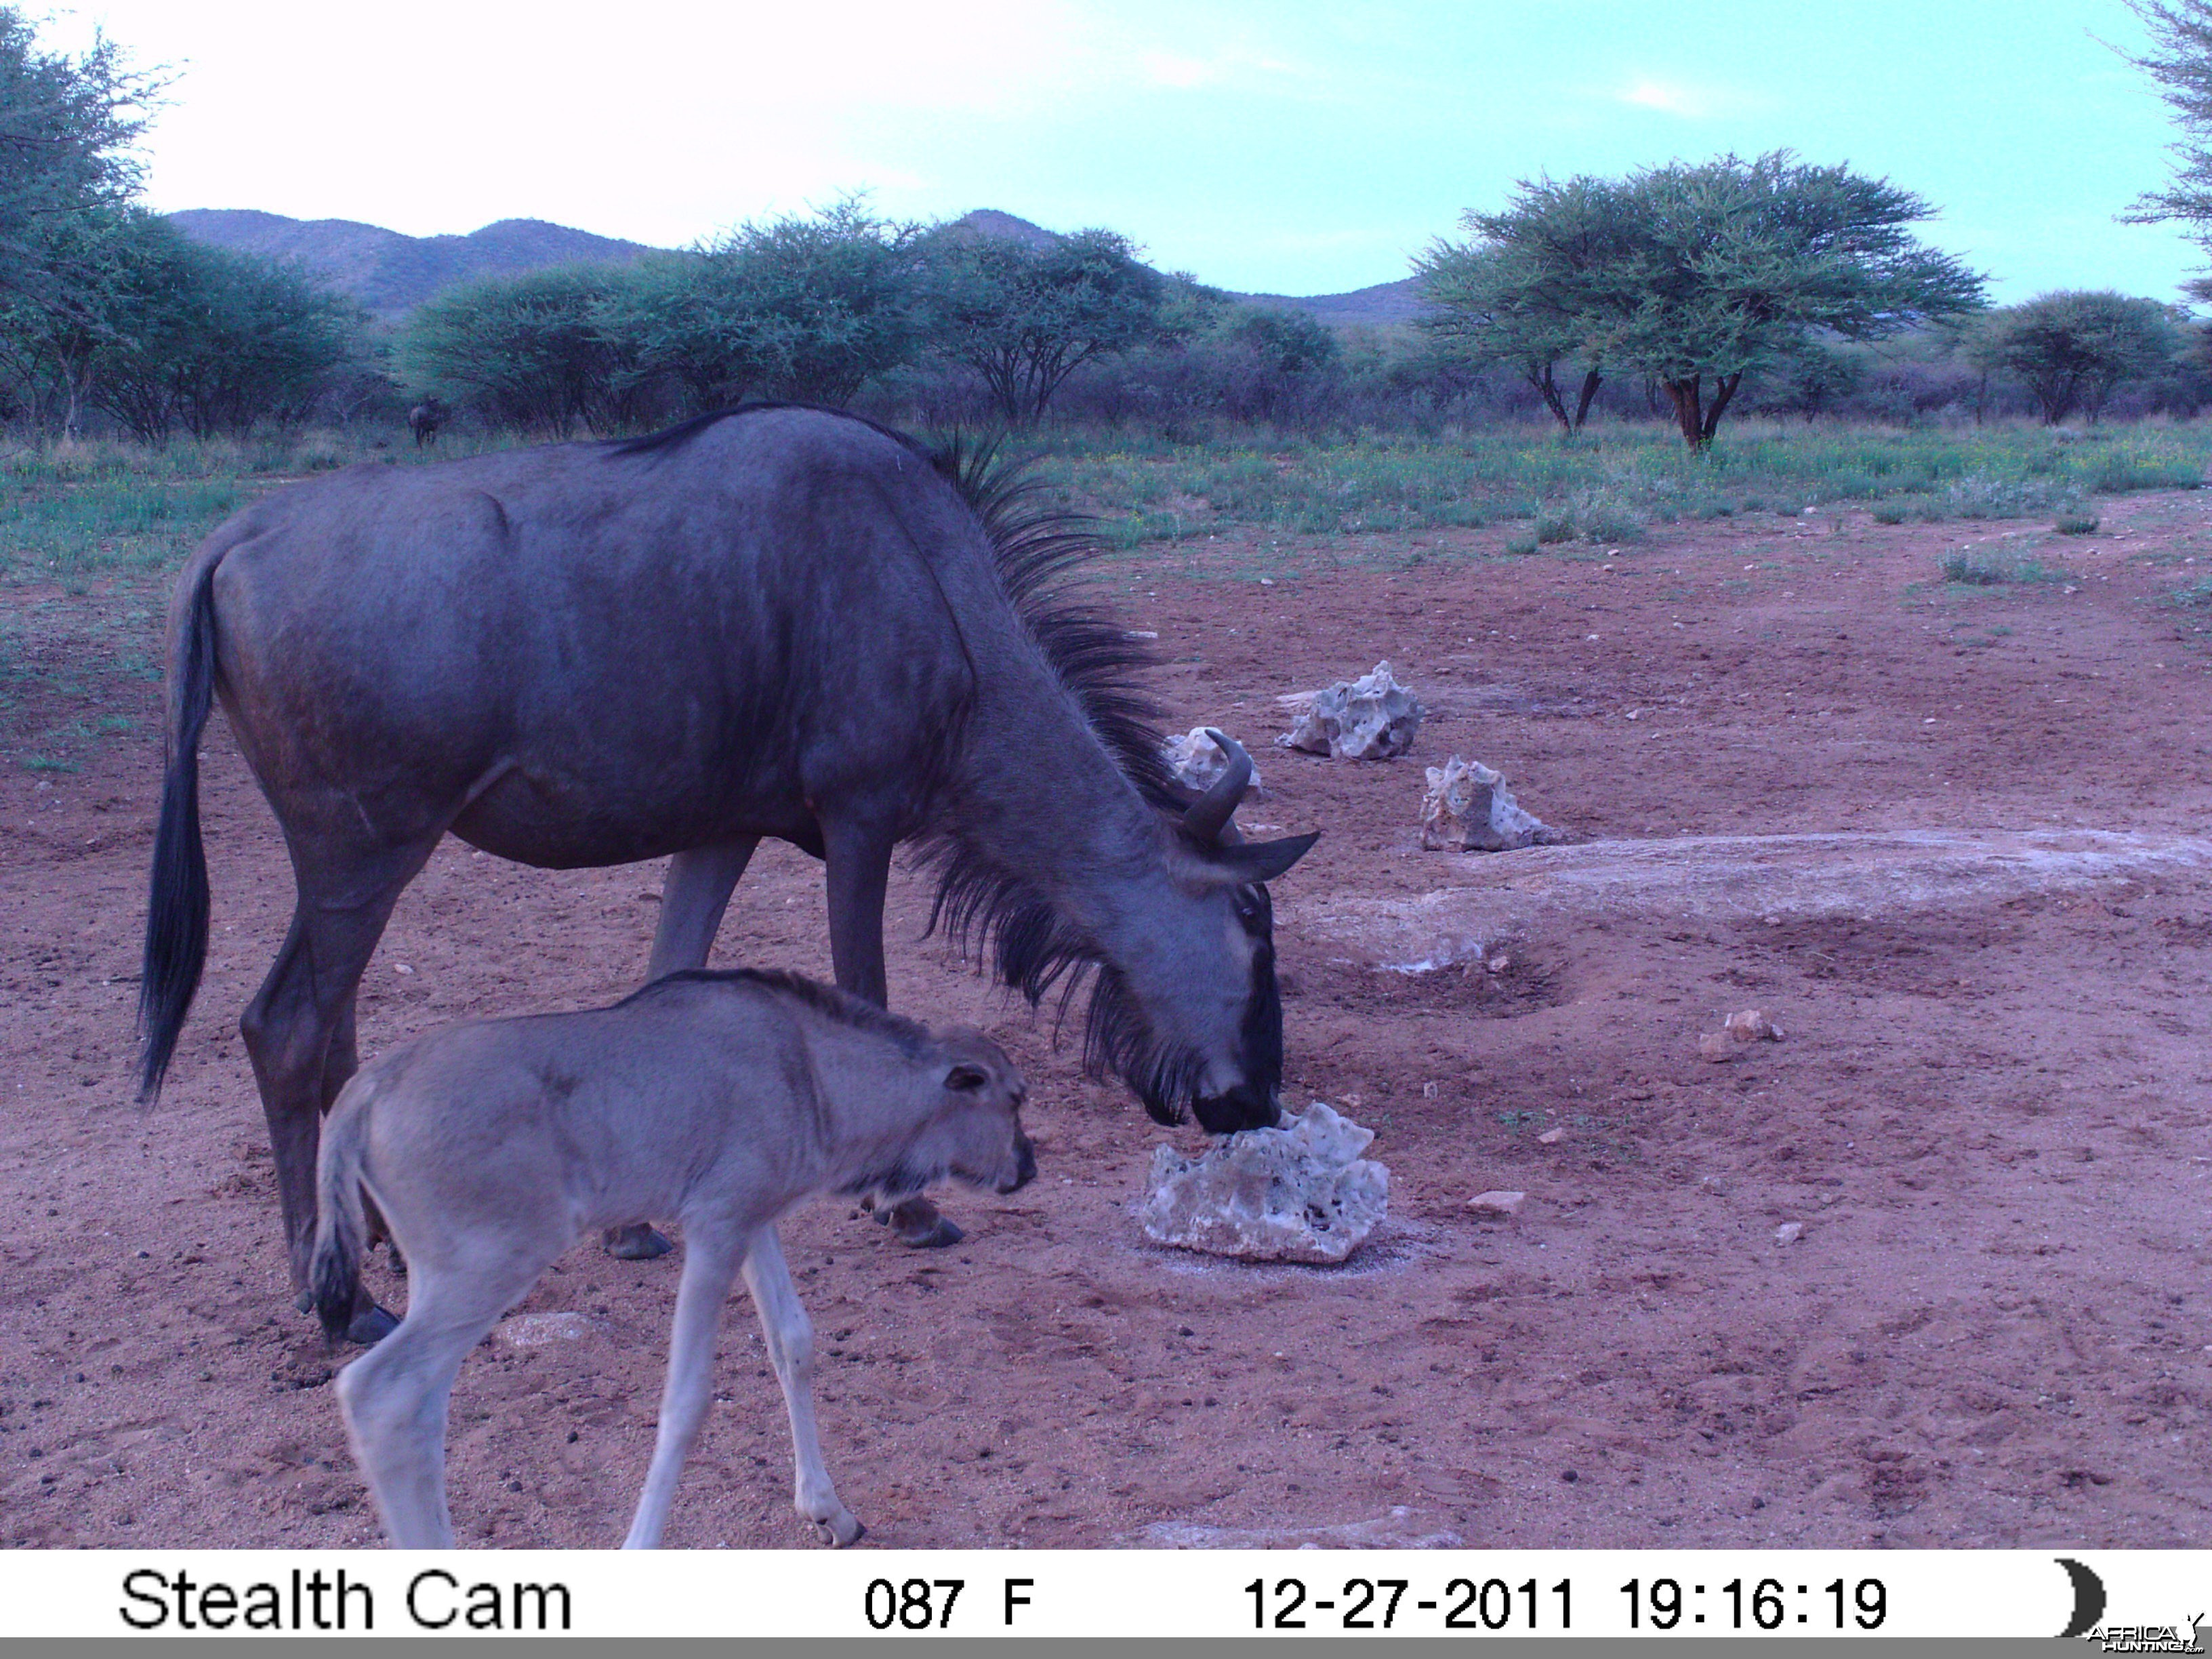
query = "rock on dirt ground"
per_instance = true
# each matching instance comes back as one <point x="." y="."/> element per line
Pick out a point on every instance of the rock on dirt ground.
<point x="1993" y="1115"/>
<point x="1371" y="718"/>
<point x="1469" y="809"/>
<point x="1299" y="1193"/>
<point x="1197" y="760"/>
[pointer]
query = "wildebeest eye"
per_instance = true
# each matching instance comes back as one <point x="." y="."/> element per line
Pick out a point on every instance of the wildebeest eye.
<point x="966" y="1077"/>
<point x="1247" y="902"/>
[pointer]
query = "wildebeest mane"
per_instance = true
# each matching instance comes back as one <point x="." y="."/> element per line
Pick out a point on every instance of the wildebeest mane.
<point x="991" y="912"/>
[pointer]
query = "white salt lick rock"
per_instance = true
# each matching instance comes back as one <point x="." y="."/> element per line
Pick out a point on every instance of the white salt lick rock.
<point x="538" y="1330"/>
<point x="1371" y="718"/>
<point x="1301" y="1193"/>
<point x="1469" y="809"/>
<point x="1197" y="760"/>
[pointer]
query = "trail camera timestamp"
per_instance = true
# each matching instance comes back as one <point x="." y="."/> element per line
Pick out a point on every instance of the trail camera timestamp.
<point x="1463" y="1603"/>
<point x="1762" y="1604"/>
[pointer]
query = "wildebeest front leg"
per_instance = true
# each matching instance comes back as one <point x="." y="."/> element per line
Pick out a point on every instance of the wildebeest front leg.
<point x="692" y="900"/>
<point x="790" y="1340"/>
<point x="858" y="857"/>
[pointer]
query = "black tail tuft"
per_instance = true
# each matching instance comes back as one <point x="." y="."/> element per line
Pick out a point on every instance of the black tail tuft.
<point x="177" y="902"/>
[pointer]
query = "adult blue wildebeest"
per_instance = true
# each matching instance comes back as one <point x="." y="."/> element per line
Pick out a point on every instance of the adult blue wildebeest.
<point x="775" y="621"/>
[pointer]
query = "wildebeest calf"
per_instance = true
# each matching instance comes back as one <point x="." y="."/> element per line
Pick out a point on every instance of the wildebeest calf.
<point x="720" y="1098"/>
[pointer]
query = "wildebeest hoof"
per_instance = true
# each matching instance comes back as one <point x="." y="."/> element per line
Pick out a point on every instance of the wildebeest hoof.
<point x="933" y="1238"/>
<point x="304" y="1302"/>
<point x="371" y="1326"/>
<point x="639" y="1242"/>
<point x="840" y="1530"/>
<point x="920" y="1225"/>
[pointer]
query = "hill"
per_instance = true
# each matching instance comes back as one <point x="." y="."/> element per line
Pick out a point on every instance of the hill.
<point x="390" y="273"/>
<point x="1377" y="307"/>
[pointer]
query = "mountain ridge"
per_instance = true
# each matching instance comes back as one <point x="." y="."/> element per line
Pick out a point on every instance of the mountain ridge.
<point x="391" y="273"/>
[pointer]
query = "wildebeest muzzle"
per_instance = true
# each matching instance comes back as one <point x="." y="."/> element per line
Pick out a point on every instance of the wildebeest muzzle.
<point x="1024" y="1166"/>
<point x="1245" y="1106"/>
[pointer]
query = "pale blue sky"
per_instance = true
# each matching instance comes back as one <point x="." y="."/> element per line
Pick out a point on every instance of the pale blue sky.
<point x="1289" y="148"/>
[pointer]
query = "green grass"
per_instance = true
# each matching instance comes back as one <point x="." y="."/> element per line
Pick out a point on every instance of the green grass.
<point x="1989" y="566"/>
<point x="2196" y="595"/>
<point x="92" y="534"/>
<point x="1606" y="485"/>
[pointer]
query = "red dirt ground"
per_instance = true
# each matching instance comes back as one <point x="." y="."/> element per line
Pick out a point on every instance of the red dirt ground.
<point x="1990" y="1113"/>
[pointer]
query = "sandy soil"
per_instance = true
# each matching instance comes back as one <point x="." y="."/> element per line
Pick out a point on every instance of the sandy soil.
<point x="1952" y="841"/>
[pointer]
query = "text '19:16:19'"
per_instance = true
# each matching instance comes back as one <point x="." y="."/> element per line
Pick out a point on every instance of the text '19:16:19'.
<point x="1769" y="1604"/>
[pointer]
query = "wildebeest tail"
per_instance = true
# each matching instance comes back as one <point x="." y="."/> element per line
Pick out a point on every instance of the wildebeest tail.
<point x="341" y="1227"/>
<point x="177" y="899"/>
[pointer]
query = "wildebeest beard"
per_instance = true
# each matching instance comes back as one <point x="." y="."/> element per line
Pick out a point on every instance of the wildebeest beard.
<point x="1034" y="951"/>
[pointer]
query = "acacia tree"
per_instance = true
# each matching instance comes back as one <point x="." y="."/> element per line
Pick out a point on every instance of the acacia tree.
<point x="1696" y="274"/>
<point x="1521" y="290"/>
<point x="2180" y="60"/>
<point x="530" y="352"/>
<point x="67" y="125"/>
<point x="1027" y="318"/>
<point x="2073" y="350"/>
<point x="809" y="308"/>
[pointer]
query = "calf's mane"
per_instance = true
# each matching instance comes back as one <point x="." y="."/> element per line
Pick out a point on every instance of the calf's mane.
<point x="839" y="1007"/>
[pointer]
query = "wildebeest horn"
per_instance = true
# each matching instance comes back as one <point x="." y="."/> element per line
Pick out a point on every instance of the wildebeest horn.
<point x="1208" y="816"/>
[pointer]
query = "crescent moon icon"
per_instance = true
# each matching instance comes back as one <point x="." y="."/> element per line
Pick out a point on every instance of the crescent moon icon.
<point x="2088" y="1599"/>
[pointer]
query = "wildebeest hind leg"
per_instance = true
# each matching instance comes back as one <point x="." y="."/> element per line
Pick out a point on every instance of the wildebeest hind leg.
<point x="692" y="901"/>
<point x="859" y="858"/>
<point x="291" y="1029"/>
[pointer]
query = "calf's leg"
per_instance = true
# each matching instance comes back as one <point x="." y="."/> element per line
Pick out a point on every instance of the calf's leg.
<point x="791" y="1351"/>
<point x="711" y="1255"/>
<point x="692" y="900"/>
<point x="394" y="1397"/>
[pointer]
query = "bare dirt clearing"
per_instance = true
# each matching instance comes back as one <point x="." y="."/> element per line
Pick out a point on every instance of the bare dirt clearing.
<point x="1954" y="840"/>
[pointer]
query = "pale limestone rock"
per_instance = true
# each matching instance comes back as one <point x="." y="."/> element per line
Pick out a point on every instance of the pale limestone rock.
<point x="1753" y="1025"/>
<point x="1301" y="1193"/>
<point x="1371" y="718"/>
<point x="1500" y="1203"/>
<point x="1469" y="809"/>
<point x="1789" y="1232"/>
<point x="1719" y="1047"/>
<point x="1197" y="760"/>
<point x="537" y="1330"/>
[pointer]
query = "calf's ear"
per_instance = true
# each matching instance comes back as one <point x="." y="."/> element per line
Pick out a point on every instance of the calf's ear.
<point x="966" y="1077"/>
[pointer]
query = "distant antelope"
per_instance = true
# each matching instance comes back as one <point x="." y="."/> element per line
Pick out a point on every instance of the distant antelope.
<point x="720" y="1098"/>
<point x="424" y="420"/>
